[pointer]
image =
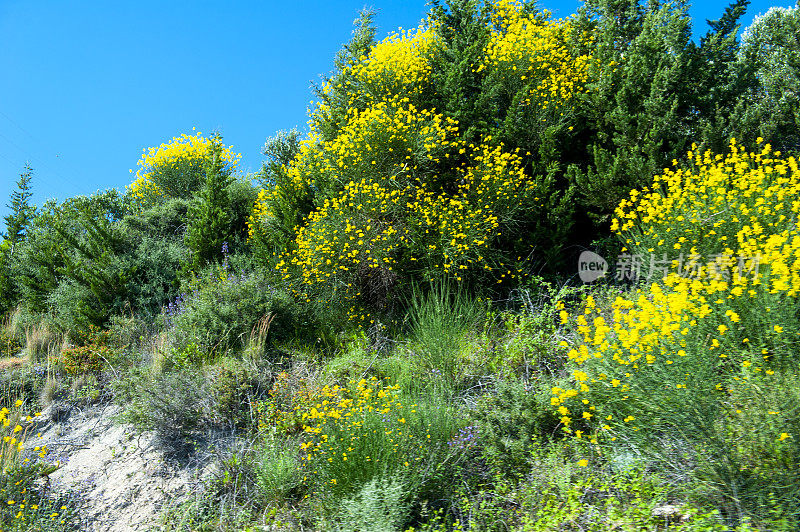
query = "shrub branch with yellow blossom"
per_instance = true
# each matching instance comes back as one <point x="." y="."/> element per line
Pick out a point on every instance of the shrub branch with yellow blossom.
<point x="176" y="169"/>
<point x="709" y="348"/>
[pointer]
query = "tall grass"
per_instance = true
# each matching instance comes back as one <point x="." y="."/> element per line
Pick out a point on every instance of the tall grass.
<point x="42" y="340"/>
<point x="441" y="320"/>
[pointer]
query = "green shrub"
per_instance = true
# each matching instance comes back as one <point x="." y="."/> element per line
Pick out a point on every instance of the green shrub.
<point x="513" y="420"/>
<point x="173" y="405"/>
<point x="381" y="505"/>
<point x="21" y="383"/>
<point x="9" y="344"/>
<point x="220" y="308"/>
<point x="276" y="467"/>
<point x="232" y="389"/>
<point x="189" y="356"/>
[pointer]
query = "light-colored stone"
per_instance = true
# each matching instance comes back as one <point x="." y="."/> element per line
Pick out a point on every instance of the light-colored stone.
<point x="120" y="476"/>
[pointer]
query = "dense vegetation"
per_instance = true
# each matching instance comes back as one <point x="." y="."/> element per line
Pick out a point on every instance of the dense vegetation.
<point x="383" y="329"/>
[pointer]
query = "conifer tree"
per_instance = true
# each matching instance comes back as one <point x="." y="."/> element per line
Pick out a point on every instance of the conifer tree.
<point x="16" y="226"/>
<point x="210" y="218"/>
<point x="338" y="81"/>
<point x="718" y="81"/>
<point x="768" y="60"/>
<point x="639" y="110"/>
<point x="21" y="210"/>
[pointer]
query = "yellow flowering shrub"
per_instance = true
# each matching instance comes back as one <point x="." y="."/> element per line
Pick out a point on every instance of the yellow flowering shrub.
<point x="722" y="322"/>
<point x="176" y="168"/>
<point x="387" y="188"/>
<point x="25" y="505"/>
<point x="392" y="138"/>
<point x="351" y="433"/>
<point x="14" y="435"/>
<point x="374" y="228"/>
<point x="525" y="50"/>
<point x="398" y="65"/>
<point x="386" y="206"/>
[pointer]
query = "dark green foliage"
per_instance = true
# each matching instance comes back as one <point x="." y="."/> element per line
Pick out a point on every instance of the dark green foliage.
<point x="153" y="255"/>
<point x="637" y="117"/>
<point x="21" y="210"/>
<point x="241" y="197"/>
<point x="7" y="287"/>
<point x="716" y="79"/>
<point x="512" y="420"/>
<point x="77" y="244"/>
<point x="768" y="63"/>
<point x="155" y="250"/>
<point x="220" y="308"/>
<point x="209" y="219"/>
<point x="91" y="246"/>
<point x="464" y="34"/>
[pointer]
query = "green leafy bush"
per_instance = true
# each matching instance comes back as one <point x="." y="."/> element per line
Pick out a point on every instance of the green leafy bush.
<point x="220" y="308"/>
<point x="513" y="420"/>
<point x="174" y="405"/>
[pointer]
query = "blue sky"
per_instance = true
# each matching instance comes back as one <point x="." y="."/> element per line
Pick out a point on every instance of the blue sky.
<point x="88" y="84"/>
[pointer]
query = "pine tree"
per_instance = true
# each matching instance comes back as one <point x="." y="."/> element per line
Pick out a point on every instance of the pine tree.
<point x="337" y="99"/>
<point x="21" y="210"/>
<point x="768" y="59"/>
<point x="210" y="219"/>
<point x="464" y="29"/>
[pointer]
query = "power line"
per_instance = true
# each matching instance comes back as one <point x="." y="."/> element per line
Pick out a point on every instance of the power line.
<point x="38" y="162"/>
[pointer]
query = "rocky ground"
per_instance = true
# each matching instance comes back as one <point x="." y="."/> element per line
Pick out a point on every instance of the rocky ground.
<point x="119" y="478"/>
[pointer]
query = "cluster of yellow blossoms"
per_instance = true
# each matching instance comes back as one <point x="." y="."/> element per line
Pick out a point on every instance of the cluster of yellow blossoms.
<point x="526" y="49"/>
<point x="355" y="430"/>
<point x="700" y="331"/>
<point x="400" y="64"/>
<point x="14" y="437"/>
<point x="397" y="187"/>
<point x="185" y="154"/>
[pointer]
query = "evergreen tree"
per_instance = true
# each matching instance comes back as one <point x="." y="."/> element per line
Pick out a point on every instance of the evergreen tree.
<point x="210" y="218"/>
<point x="718" y="81"/>
<point x="463" y="28"/>
<point x="21" y="210"/>
<point x="639" y="112"/>
<point x="338" y="96"/>
<point x="769" y="61"/>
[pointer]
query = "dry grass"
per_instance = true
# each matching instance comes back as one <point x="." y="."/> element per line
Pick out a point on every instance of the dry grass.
<point x="257" y="340"/>
<point x="42" y="341"/>
<point x="12" y="362"/>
